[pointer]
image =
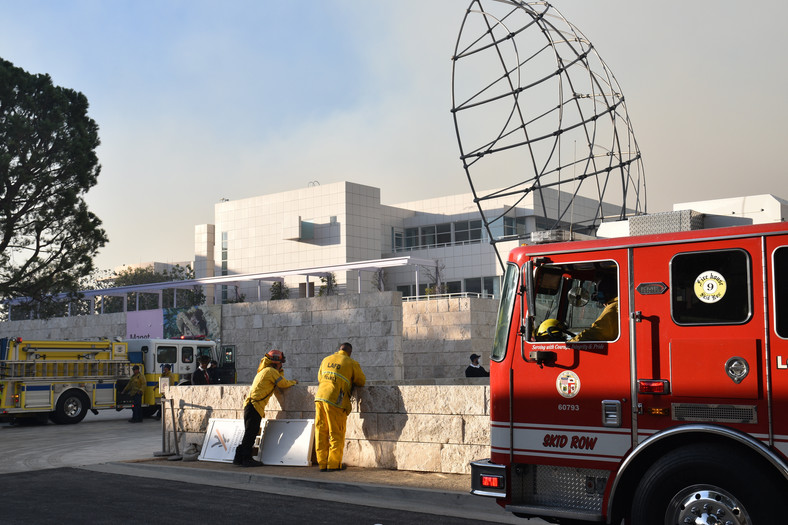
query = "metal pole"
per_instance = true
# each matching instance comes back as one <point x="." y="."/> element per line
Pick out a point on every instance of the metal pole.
<point x="177" y="455"/>
<point x="164" y="450"/>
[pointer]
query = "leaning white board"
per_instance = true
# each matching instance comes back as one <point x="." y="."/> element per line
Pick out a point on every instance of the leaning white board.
<point x="221" y="439"/>
<point x="287" y="442"/>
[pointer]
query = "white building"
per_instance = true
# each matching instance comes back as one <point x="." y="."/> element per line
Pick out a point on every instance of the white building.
<point x="345" y="222"/>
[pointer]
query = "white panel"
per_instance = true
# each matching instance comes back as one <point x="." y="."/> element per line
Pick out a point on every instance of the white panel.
<point x="287" y="442"/>
<point x="221" y="440"/>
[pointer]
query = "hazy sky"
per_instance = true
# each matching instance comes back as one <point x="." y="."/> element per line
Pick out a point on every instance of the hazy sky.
<point x="202" y="100"/>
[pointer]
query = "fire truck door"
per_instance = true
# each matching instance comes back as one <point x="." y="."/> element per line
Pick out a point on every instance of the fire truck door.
<point x="699" y="335"/>
<point x="777" y="274"/>
<point x="576" y="373"/>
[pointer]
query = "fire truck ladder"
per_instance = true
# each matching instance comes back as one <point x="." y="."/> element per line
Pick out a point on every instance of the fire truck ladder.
<point x="65" y="370"/>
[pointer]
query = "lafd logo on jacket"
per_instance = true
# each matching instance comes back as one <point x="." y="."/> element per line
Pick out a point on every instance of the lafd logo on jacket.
<point x="567" y="384"/>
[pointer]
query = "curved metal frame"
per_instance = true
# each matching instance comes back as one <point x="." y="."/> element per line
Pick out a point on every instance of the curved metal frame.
<point x="589" y="113"/>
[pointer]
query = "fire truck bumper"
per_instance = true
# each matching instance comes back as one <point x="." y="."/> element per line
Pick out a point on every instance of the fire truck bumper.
<point x="488" y="479"/>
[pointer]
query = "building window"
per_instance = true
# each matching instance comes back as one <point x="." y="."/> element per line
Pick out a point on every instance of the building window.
<point x="411" y="237"/>
<point x="405" y="290"/>
<point x="443" y="234"/>
<point x="712" y="287"/>
<point x="473" y="285"/>
<point x="427" y="236"/>
<point x="467" y="231"/>
<point x="483" y="286"/>
<point x="397" y="239"/>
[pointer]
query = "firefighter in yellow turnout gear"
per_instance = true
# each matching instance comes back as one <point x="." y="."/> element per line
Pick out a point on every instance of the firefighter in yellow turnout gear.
<point x="337" y="376"/>
<point x="269" y="376"/>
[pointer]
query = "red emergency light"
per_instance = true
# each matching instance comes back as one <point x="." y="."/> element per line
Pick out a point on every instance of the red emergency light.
<point x="653" y="386"/>
<point x="495" y="482"/>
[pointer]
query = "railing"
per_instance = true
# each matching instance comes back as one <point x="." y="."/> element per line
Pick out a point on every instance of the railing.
<point x="456" y="295"/>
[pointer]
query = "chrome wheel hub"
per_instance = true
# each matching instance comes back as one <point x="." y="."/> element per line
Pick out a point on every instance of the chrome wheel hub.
<point x="706" y="505"/>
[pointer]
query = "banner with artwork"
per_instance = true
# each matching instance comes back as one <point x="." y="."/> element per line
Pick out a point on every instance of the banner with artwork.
<point x="205" y="320"/>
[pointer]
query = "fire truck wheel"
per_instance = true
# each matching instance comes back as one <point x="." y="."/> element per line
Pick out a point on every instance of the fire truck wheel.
<point x="703" y="481"/>
<point x="71" y="407"/>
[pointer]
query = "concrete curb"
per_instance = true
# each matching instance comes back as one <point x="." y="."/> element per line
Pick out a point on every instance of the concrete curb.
<point x="442" y="503"/>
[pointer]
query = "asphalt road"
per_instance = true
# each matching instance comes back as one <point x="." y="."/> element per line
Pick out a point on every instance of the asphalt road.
<point x="100" y="438"/>
<point x="103" y="470"/>
<point x="69" y="495"/>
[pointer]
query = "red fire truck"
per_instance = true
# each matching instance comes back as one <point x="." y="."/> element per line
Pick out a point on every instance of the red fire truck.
<point x="643" y="379"/>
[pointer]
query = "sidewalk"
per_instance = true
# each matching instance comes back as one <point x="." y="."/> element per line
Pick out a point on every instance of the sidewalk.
<point x="433" y="493"/>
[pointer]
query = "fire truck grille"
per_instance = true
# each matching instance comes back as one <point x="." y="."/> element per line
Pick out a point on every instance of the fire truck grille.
<point x="565" y="487"/>
<point x="715" y="413"/>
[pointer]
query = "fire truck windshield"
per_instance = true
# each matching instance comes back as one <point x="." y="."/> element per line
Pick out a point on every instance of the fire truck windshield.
<point x="505" y="309"/>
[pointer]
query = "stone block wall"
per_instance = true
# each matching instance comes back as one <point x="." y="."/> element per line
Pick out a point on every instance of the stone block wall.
<point x="73" y="328"/>
<point x="439" y="335"/>
<point x="307" y="330"/>
<point x="393" y="341"/>
<point x="437" y="428"/>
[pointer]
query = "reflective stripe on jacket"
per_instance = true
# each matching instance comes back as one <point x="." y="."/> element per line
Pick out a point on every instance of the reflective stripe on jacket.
<point x="338" y="374"/>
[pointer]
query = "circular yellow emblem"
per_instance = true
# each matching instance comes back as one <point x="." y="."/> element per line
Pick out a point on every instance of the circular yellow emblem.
<point x="710" y="286"/>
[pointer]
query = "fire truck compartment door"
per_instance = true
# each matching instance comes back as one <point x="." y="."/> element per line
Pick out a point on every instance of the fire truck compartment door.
<point x="710" y="369"/>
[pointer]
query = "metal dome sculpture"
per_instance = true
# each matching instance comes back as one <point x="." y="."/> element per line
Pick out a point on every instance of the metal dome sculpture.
<point x="540" y="117"/>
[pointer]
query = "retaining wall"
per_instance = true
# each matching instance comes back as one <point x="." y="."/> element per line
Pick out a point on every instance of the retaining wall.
<point x="427" y="428"/>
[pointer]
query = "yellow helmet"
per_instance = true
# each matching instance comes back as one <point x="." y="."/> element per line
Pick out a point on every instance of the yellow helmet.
<point x="551" y="330"/>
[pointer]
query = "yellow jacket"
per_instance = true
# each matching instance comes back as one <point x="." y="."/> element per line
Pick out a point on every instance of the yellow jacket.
<point x="136" y="384"/>
<point x="605" y="328"/>
<point x="338" y="374"/>
<point x="265" y="381"/>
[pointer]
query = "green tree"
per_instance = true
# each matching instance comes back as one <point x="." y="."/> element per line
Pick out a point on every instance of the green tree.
<point x="148" y="301"/>
<point x="329" y="286"/>
<point x="279" y="290"/>
<point x="48" y="238"/>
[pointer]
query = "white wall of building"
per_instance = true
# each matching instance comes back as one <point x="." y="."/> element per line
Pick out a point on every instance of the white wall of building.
<point x="345" y="222"/>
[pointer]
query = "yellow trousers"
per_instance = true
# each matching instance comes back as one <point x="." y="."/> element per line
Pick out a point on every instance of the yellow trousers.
<point x="329" y="434"/>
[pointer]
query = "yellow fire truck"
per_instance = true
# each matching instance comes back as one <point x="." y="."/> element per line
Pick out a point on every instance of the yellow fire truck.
<point x="61" y="379"/>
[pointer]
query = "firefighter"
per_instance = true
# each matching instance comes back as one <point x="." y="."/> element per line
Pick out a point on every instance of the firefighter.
<point x="605" y="328"/>
<point x="135" y="387"/>
<point x="269" y="376"/>
<point x="338" y="374"/>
